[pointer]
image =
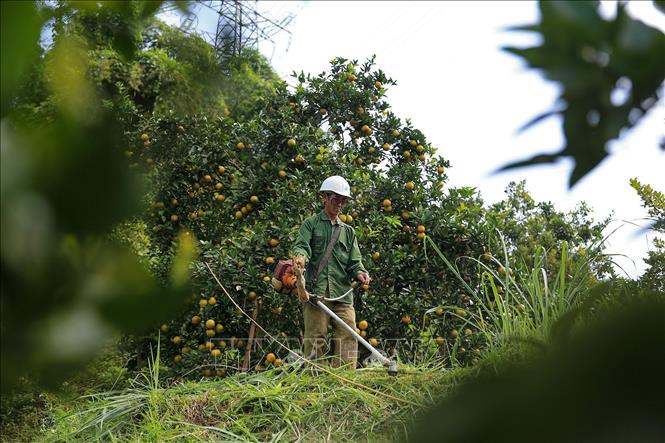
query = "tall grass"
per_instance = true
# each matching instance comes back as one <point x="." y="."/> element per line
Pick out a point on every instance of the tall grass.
<point x="108" y="414"/>
<point x="523" y="303"/>
<point x="279" y="405"/>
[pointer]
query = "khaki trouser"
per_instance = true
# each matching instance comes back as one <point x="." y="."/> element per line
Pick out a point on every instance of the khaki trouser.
<point x="316" y="329"/>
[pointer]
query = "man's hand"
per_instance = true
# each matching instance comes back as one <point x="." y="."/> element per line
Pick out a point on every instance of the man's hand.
<point x="299" y="260"/>
<point x="363" y="277"/>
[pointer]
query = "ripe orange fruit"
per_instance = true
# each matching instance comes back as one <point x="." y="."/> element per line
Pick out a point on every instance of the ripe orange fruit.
<point x="439" y="311"/>
<point x="219" y="327"/>
<point x="405" y="215"/>
<point x="421" y="228"/>
<point x="388" y="208"/>
<point x="207" y="178"/>
<point x="251" y="296"/>
<point x="203" y="303"/>
<point x="410" y="185"/>
<point x="387" y="202"/>
<point x="363" y="333"/>
<point x="420" y="148"/>
<point x="244" y="210"/>
<point x="210" y="324"/>
<point x="174" y="218"/>
<point x="291" y="143"/>
<point x="385" y="146"/>
<point x="210" y="333"/>
<point x="359" y="161"/>
<point x="360" y="110"/>
<point x="413" y="142"/>
<point x="254" y="199"/>
<point x="421" y="235"/>
<point x="440" y="341"/>
<point x="395" y="133"/>
<point x="221" y="169"/>
<point x="196" y="320"/>
<point x="145" y="137"/>
<point x="342" y="217"/>
<point x="362" y="325"/>
<point x="406" y="319"/>
<point x="422" y="157"/>
<point x="366" y="130"/>
<point x="270" y="358"/>
<point x="365" y="287"/>
<point x="240" y="146"/>
<point x="374" y="342"/>
<point x="349" y="219"/>
<point x="323" y="111"/>
<point x="270" y="260"/>
<point x="299" y="159"/>
<point x="176" y="340"/>
<point x="277" y="363"/>
<point x="454" y="333"/>
<point x="440" y="169"/>
<point x="238" y="215"/>
<point x="460" y="312"/>
<point x="378" y="84"/>
<point x="502" y="270"/>
<point x="274" y="242"/>
<point x="216" y="353"/>
<point x="266" y="279"/>
<point x="468" y="331"/>
<point x="376" y="255"/>
<point x="220" y="198"/>
<point x="406" y="154"/>
<point x="282" y="173"/>
<point x="209" y="345"/>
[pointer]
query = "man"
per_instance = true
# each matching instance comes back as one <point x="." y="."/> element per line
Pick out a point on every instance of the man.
<point x="334" y="280"/>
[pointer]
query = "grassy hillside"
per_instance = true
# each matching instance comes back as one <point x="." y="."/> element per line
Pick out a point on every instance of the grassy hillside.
<point x="277" y="405"/>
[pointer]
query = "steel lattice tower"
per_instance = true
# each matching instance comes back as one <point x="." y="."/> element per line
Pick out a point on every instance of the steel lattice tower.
<point x="236" y="28"/>
<point x="240" y="26"/>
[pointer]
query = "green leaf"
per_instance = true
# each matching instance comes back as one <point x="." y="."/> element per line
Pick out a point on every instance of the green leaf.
<point x="21" y="25"/>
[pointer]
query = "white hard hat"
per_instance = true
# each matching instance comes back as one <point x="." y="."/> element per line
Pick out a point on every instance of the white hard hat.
<point x="337" y="185"/>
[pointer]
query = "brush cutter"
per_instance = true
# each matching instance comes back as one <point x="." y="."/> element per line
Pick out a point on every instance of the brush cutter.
<point x="305" y="296"/>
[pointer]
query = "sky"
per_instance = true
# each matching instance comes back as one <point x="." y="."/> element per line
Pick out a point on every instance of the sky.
<point x="469" y="98"/>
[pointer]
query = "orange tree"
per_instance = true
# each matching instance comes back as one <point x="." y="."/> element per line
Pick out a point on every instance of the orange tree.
<point x="242" y="189"/>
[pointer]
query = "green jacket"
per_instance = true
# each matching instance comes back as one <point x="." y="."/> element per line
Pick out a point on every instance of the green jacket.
<point x="344" y="263"/>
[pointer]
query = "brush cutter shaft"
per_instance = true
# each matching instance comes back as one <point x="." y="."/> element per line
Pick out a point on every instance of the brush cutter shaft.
<point x="364" y="342"/>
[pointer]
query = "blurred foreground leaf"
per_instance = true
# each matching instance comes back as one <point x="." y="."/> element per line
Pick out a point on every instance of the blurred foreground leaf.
<point x="610" y="72"/>
<point x="602" y="385"/>
<point x="21" y="25"/>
